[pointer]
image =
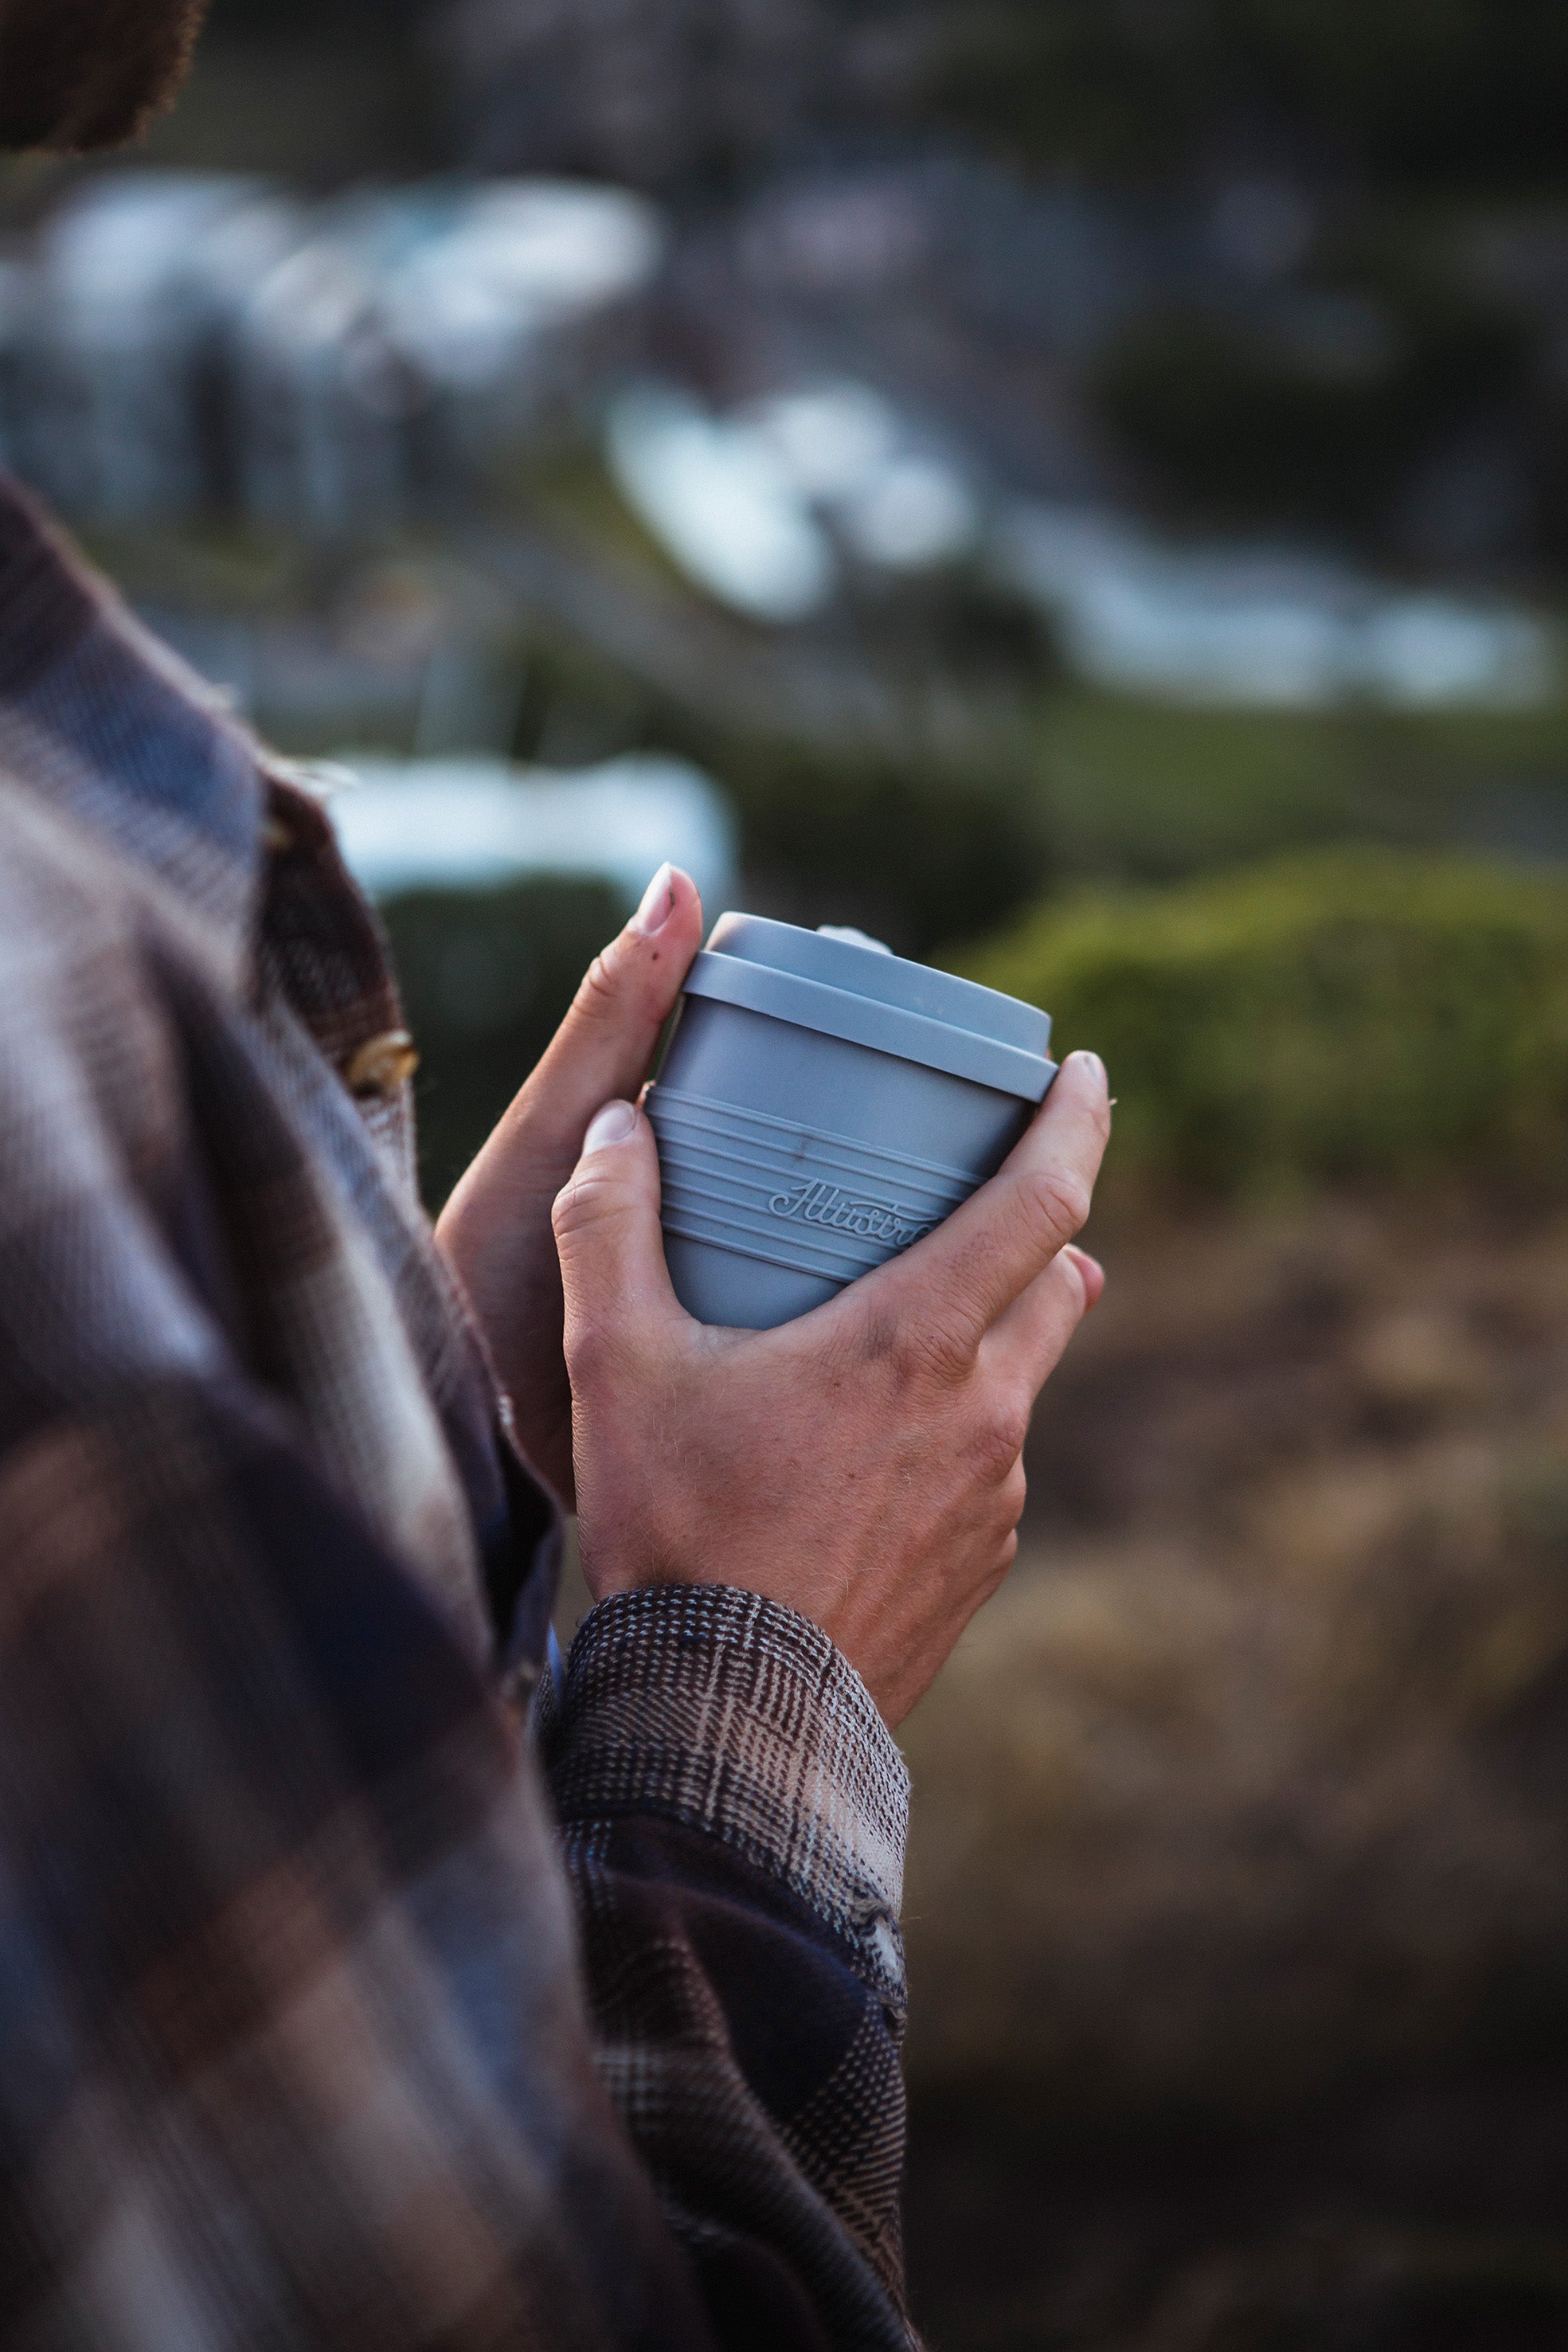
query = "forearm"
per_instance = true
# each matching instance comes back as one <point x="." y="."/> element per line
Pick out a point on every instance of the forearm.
<point x="732" y="1812"/>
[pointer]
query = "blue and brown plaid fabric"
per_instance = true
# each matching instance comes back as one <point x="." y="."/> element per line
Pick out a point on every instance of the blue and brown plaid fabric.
<point x="337" y="2007"/>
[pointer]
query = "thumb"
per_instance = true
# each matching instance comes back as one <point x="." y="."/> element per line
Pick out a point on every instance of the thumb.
<point x="607" y="1230"/>
<point x="605" y="1044"/>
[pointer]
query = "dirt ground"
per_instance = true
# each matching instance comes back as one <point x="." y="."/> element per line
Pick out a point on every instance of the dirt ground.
<point x="1238" y="1914"/>
<point x="1417" y="2216"/>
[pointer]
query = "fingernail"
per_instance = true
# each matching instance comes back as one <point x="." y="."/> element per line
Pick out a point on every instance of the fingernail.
<point x="1093" y="1065"/>
<point x="614" y="1124"/>
<point x="658" y="903"/>
<point x="1091" y="1274"/>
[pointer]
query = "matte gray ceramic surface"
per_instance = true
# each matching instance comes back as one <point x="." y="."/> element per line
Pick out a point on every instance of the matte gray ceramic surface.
<point x="823" y="1103"/>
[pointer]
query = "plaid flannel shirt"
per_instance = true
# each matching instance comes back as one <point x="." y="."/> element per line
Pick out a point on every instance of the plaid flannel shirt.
<point x="335" y="2008"/>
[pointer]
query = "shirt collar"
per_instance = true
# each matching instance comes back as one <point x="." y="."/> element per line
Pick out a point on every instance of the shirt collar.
<point x="101" y="719"/>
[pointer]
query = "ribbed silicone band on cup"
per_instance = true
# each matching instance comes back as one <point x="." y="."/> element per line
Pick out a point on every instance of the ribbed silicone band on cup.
<point x="867" y="1021"/>
<point x="798" y="1197"/>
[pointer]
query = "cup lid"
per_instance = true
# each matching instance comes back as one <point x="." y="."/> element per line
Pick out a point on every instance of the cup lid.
<point x="855" y="990"/>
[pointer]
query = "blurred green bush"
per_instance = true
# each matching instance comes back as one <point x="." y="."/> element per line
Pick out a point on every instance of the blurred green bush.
<point x="872" y="818"/>
<point x="1316" y="412"/>
<point x="1462" y="94"/>
<point x="486" y="976"/>
<point x="910" y="848"/>
<point x="1359" y="1012"/>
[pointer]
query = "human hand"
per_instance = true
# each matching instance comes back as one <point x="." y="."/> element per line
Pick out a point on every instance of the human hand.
<point x="861" y="1464"/>
<point x="495" y="1230"/>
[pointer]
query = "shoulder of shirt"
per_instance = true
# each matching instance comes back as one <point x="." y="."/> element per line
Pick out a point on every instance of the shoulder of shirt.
<point x="67" y="893"/>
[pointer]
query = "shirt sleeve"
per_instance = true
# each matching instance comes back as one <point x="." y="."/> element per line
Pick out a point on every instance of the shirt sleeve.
<point x="294" y="2047"/>
<point x="733" y="1815"/>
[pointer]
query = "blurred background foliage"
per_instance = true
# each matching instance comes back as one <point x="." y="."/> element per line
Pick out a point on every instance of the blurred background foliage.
<point x="487" y="976"/>
<point x="1076" y="488"/>
<point x="1351" y="1015"/>
<point x="1455" y="93"/>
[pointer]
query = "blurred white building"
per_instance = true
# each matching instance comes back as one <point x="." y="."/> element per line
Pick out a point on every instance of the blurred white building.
<point x="415" y="334"/>
<point x="472" y="823"/>
<point x="764" y="507"/>
<point x="114" y="333"/>
<point x="176" y="342"/>
<point x="1265" y="628"/>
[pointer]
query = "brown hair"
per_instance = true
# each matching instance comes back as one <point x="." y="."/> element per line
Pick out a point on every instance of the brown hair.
<point x="80" y="74"/>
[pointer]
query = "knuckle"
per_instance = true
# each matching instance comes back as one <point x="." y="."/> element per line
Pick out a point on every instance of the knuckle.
<point x="566" y="1214"/>
<point x="587" y="1201"/>
<point x="998" y="1438"/>
<point x="603" y="1346"/>
<point x="992" y="1570"/>
<point x="880" y="1334"/>
<point x="603" y="1358"/>
<point x="926" y="1355"/>
<point x="1056" y="1201"/>
<point x="588" y="1347"/>
<point x="598" y="992"/>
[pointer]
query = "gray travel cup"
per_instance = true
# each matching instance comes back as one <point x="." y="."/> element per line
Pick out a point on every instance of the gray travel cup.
<point x="821" y="1104"/>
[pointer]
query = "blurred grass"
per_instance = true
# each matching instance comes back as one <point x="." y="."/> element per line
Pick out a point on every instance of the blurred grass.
<point x="1141" y="790"/>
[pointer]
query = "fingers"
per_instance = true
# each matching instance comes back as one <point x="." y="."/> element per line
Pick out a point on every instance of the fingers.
<point x="1028" y="1341"/>
<point x="606" y="1224"/>
<point x="605" y="1046"/>
<point x="1093" y="1274"/>
<point x="972" y="1269"/>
